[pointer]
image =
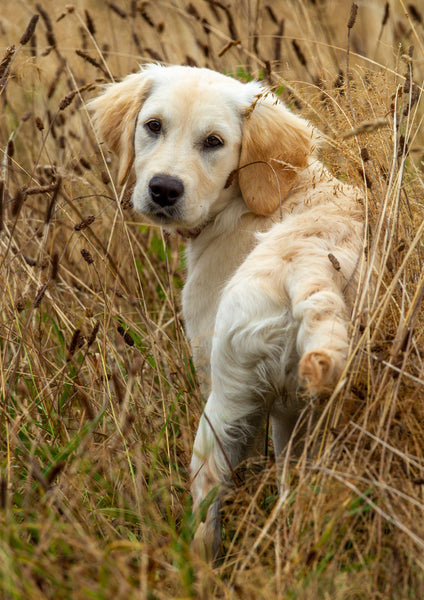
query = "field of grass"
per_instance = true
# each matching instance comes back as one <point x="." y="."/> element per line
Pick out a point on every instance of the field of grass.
<point x="99" y="400"/>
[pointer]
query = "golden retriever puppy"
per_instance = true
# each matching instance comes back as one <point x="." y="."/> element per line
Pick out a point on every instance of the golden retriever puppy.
<point x="227" y="165"/>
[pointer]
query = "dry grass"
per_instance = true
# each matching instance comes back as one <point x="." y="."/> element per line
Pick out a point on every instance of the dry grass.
<point x="99" y="400"/>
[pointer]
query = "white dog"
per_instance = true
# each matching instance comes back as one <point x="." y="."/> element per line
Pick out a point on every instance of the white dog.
<point x="273" y="246"/>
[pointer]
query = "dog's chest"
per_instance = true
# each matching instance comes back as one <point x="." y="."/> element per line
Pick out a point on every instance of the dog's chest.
<point x="209" y="267"/>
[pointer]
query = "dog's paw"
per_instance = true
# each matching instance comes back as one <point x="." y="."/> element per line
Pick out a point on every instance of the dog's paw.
<point x="207" y="538"/>
<point x="318" y="371"/>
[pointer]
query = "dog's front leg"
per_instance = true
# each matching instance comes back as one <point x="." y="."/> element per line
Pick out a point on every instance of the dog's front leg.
<point x="249" y="341"/>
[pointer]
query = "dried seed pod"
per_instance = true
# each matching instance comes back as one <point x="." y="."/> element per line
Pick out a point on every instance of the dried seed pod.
<point x="365" y="177"/>
<point x="55" y="266"/>
<point x="3" y="492"/>
<point x="386" y="14"/>
<point x="352" y="17"/>
<point x="84" y="162"/>
<point x="415" y="13"/>
<point x="339" y="83"/>
<point x="17" y="202"/>
<point x="118" y="10"/>
<point x="153" y="54"/>
<point x="51" y="39"/>
<point x="29" y="31"/>
<point x="271" y="14"/>
<point x="192" y="10"/>
<point x="365" y="155"/>
<point x="66" y="101"/>
<point x="92" y="337"/>
<point x="4" y="64"/>
<point x="137" y="42"/>
<point x="10" y="150"/>
<point x="126" y="201"/>
<point x="334" y="261"/>
<point x="133" y="9"/>
<point x="40" y="296"/>
<point x="87" y="256"/>
<point x="39" y="123"/>
<point x="83" y="54"/>
<point x="145" y="15"/>
<point x="84" y="223"/>
<point x="89" y="22"/>
<point x="40" y="189"/>
<point x="74" y="343"/>
<point x="301" y="57"/>
<point x="128" y="339"/>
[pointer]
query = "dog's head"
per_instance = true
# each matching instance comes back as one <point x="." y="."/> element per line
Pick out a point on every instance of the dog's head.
<point x="187" y="130"/>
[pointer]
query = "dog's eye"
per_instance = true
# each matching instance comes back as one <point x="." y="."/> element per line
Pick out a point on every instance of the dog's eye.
<point x="154" y="126"/>
<point x="212" y="141"/>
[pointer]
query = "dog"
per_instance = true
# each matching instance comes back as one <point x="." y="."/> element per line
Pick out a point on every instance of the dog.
<point x="273" y="247"/>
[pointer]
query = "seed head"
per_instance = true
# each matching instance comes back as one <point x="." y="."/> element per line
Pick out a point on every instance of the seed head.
<point x="6" y="60"/>
<point x="84" y="223"/>
<point x="90" y="23"/>
<point x="74" y="343"/>
<point x="93" y="334"/>
<point x="29" y="31"/>
<point x="87" y="256"/>
<point x="128" y="339"/>
<point x="39" y="124"/>
<point x="39" y="296"/>
<point x="353" y="13"/>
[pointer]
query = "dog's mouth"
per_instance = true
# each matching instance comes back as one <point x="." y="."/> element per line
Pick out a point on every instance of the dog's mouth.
<point x="165" y="216"/>
<point x="168" y="216"/>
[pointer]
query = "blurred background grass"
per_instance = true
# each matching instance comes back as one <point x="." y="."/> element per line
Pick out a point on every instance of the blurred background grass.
<point x="99" y="398"/>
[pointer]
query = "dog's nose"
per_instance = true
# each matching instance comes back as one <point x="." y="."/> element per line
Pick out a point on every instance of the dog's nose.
<point x="165" y="190"/>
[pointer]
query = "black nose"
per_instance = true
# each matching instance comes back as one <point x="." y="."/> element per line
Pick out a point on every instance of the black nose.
<point x="165" y="190"/>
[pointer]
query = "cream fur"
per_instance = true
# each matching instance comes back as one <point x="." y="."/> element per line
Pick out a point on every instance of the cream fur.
<point x="266" y="312"/>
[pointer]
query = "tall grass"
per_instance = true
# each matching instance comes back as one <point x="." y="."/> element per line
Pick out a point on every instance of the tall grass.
<point x="99" y="397"/>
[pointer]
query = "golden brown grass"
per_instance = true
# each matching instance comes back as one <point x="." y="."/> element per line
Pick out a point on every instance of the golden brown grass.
<point x="99" y="400"/>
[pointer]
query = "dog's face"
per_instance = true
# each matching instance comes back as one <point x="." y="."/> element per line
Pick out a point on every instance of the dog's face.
<point x="186" y="130"/>
<point x="187" y="142"/>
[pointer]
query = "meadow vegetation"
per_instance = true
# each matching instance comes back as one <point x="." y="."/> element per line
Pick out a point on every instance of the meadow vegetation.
<point x="99" y="399"/>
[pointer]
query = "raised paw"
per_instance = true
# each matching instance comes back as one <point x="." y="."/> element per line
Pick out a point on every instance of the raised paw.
<point x="319" y="371"/>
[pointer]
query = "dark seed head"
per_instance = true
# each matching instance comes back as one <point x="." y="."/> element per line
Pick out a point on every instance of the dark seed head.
<point x="353" y="13"/>
<point x="84" y="223"/>
<point x="39" y="296"/>
<point x="29" y="31"/>
<point x="87" y="256"/>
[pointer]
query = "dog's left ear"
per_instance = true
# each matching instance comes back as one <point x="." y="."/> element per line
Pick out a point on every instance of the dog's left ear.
<point x="275" y="147"/>
<point x="115" y="113"/>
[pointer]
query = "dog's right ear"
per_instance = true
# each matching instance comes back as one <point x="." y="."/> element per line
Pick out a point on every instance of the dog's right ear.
<point x="115" y="114"/>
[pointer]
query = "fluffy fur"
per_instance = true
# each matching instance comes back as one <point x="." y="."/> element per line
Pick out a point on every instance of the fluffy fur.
<point x="266" y="311"/>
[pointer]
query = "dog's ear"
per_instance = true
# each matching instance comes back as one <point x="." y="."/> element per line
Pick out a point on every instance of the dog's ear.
<point x="275" y="147"/>
<point x="115" y="114"/>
